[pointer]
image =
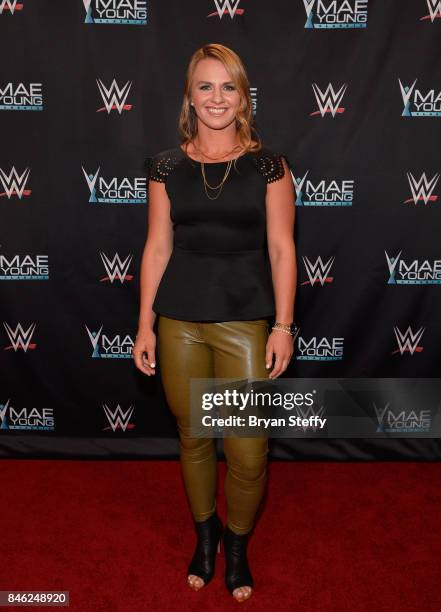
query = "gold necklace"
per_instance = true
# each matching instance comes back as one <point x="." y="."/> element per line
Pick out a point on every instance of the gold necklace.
<point x="221" y="184"/>
<point x="227" y="171"/>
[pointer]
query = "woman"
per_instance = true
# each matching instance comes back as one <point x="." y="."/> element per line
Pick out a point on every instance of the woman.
<point x="218" y="262"/>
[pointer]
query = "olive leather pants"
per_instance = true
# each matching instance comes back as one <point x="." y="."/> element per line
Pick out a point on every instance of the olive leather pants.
<point x="228" y="349"/>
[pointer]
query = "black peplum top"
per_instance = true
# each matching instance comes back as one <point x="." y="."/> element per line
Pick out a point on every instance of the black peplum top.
<point x="219" y="269"/>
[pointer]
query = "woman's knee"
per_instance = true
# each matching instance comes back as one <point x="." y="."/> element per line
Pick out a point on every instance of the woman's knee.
<point x="248" y="463"/>
<point x="196" y="445"/>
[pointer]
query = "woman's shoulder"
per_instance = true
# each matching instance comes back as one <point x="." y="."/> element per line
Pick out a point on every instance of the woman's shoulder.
<point x="161" y="164"/>
<point x="269" y="163"/>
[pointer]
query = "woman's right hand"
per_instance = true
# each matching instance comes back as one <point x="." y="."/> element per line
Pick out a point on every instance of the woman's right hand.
<point x="144" y="352"/>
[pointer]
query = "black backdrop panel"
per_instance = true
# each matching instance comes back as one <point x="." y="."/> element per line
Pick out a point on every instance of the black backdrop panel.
<point x="348" y="90"/>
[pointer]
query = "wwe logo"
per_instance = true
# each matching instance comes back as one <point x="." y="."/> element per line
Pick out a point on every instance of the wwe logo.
<point x="408" y="342"/>
<point x="227" y="6"/>
<point x="119" y="419"/>
<point x="434" y="7"/>
<point x="306" y="413"/>
<point x="13" y="184"/>
<point x="318" y="271"/>
<point x="11" y="6"/>
<point x="114" y="97"/>
<point x="116" y="268"/>
<point x="422" y="189"/>
<point x="20" y="339"/>
<point x="328" y="101"/>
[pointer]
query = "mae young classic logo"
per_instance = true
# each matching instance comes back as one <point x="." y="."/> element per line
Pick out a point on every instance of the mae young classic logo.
<point x="402" y="421"/>
<point x="21" y="97"/>
<point x="26" y="418"/>
<point x="105" y="347"/>
<point x="119" y="12"/>
<point x="253" y="95"/>
<point x="24" y="267"/>
<point x="116" y="191"/>
<point x="324" y="193"/>
<point x="413" y="273"/>
<point x="418" y="104"/>
<point x="336" y="14"/>
<point x="320" y="349"/>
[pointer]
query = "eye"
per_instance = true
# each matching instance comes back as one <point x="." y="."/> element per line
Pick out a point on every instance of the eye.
<point x="228" y="87"/>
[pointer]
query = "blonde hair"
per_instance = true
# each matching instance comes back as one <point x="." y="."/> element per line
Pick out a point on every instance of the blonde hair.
<point x="187" y="125"/>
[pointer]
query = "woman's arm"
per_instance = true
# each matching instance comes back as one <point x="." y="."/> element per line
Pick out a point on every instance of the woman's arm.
<point x="280" y="215"/>
<point x="157" y="251"/>
<point x="280" y="211"/>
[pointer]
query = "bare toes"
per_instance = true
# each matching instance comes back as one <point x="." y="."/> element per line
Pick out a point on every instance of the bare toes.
<point x="242" y="593"/>
<point x="195" y="582"/>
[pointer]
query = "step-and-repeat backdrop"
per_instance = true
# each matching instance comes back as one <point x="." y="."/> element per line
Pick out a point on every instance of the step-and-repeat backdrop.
<point x="348" y="90"/>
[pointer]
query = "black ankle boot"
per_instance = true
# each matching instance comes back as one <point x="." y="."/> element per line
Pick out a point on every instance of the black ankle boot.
<point x="209" y="534"/>
<point x="237" y="572"/>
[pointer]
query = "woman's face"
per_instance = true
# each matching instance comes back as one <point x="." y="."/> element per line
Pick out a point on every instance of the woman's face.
<point x="214" y="95"/>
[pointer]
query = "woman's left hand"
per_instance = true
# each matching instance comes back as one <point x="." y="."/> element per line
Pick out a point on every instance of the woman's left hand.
<point x="280" y="345"/>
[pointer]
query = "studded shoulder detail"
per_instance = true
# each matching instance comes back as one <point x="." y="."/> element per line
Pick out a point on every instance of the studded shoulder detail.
<point x="159" y="166"/>
<point x="270" y="165"/>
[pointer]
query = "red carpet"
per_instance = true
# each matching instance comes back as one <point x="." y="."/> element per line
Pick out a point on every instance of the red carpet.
<point x="333" y="537"/>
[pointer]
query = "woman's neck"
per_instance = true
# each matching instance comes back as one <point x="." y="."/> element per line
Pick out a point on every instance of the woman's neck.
<point x="215" y="149"/>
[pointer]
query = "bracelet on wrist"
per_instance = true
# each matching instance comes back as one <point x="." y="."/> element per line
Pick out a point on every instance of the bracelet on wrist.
<point x="288" y="328"/>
